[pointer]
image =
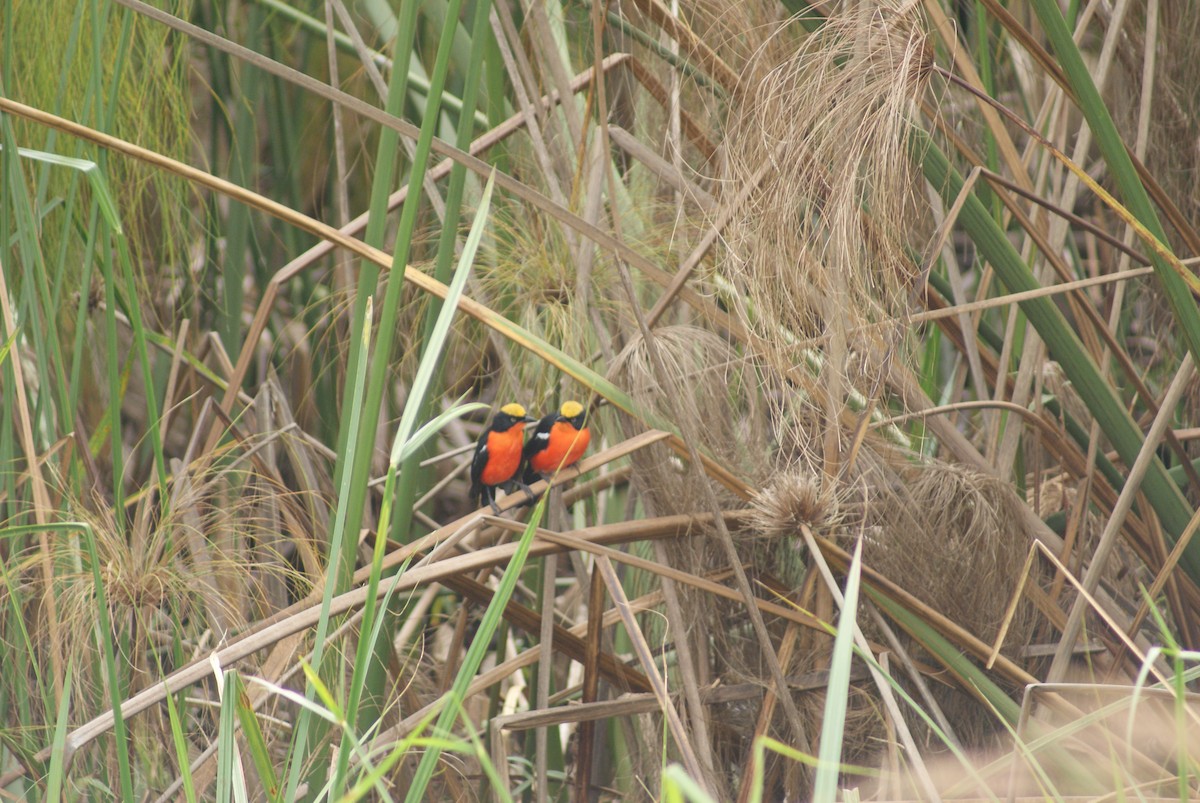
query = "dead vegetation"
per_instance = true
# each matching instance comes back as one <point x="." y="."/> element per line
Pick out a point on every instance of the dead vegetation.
<point x="795" y="333"/>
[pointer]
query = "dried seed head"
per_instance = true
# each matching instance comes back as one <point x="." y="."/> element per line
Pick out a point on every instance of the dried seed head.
<point x="794" y="498"/>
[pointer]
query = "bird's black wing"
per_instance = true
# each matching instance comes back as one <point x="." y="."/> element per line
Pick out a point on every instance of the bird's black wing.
<point x="540" y="438"/>
<point x="536" y="443"/>
<point x="478" y="463"/>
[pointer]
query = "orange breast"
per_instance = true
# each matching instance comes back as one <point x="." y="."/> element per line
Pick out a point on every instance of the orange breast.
<point x="566" y="445"/>
<point x="504" y="455"/>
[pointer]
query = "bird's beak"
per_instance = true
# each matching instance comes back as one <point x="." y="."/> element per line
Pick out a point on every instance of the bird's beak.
<point x="529" y="419"/>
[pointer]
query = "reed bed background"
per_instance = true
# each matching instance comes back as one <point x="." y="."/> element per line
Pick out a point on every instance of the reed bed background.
<point x="883" y="312"/>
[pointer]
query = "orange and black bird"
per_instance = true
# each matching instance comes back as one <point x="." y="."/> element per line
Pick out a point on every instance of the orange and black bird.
<point x="559" y="440"/>
<point x="498" y="453"/>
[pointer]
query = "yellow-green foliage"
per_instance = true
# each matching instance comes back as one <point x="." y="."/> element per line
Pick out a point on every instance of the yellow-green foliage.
<point x="120" y="73"/>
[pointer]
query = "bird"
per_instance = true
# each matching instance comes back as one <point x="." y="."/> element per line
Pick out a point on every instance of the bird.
<point x="498" y="453"/>
<point x="558" y="441"/>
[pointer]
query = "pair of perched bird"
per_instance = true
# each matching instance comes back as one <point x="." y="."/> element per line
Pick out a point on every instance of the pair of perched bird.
<point x="558" y="441"/>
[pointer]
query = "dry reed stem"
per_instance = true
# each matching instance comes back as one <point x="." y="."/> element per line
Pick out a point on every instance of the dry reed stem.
<point x="645" y="656"/>
<point x="42" y="508"/>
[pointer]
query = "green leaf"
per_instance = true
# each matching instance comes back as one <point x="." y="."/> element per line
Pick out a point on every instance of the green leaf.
<point x="833" y="723"/>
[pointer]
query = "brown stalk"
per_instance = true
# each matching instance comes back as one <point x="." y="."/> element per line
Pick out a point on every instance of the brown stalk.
<point x="1041" y="292"/>
<point x="591" y="685"/>
<point x="1066" y="214"/>
<point x="765" y="714"/>
<point x="41" y="498"/>
<point x="570" y="541"/>
<point x="564" y="641"/>
<point x="1113" y="527"/>
<point x="660" y="167"/>
<point x="646" y="657"/>
<point x="696" y="47"/>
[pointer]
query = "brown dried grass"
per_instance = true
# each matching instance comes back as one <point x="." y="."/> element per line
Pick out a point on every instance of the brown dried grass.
<point x="820" y="249"/>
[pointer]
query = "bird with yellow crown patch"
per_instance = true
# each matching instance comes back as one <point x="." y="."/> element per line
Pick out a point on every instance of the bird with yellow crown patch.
<point x="558" y="441"/>
<point x="498" y="453"/>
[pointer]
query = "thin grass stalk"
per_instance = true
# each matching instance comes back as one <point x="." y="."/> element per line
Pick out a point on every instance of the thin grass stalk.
<point x="404" y="238"/>
<point x="39" y="309"/>
<point x="57" y="774"/>
<point x="381" y="187"/>
<point x="411" y="480"/>
<point x="23" y="660"/>
<point x="230" y="783"/>
<point x="305" y="727"/>
<point x="153" y="413"/>
<point x="1103" y="549"/>
<point x="255" y="742"/>
<point x="179" y="742"/>
<point x="388" y="318"/>
<point x="833" y="722"/>
<point x="115" y="385"/>
<point x="678" y="786"/>
<point x="243" y="153"/>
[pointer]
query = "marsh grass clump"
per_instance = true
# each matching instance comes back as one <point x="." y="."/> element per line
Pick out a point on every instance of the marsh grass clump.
<point x="952" y="537"/>
<point x="223" y="556"/>
<point x="821" y="250"/>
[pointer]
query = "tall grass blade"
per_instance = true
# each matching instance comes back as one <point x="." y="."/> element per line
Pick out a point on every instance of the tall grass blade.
<point x="833" y="722"/>
<point x="58" y="746"/>
<point x="403" y="442"/>
<point x="305" y="727"/>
